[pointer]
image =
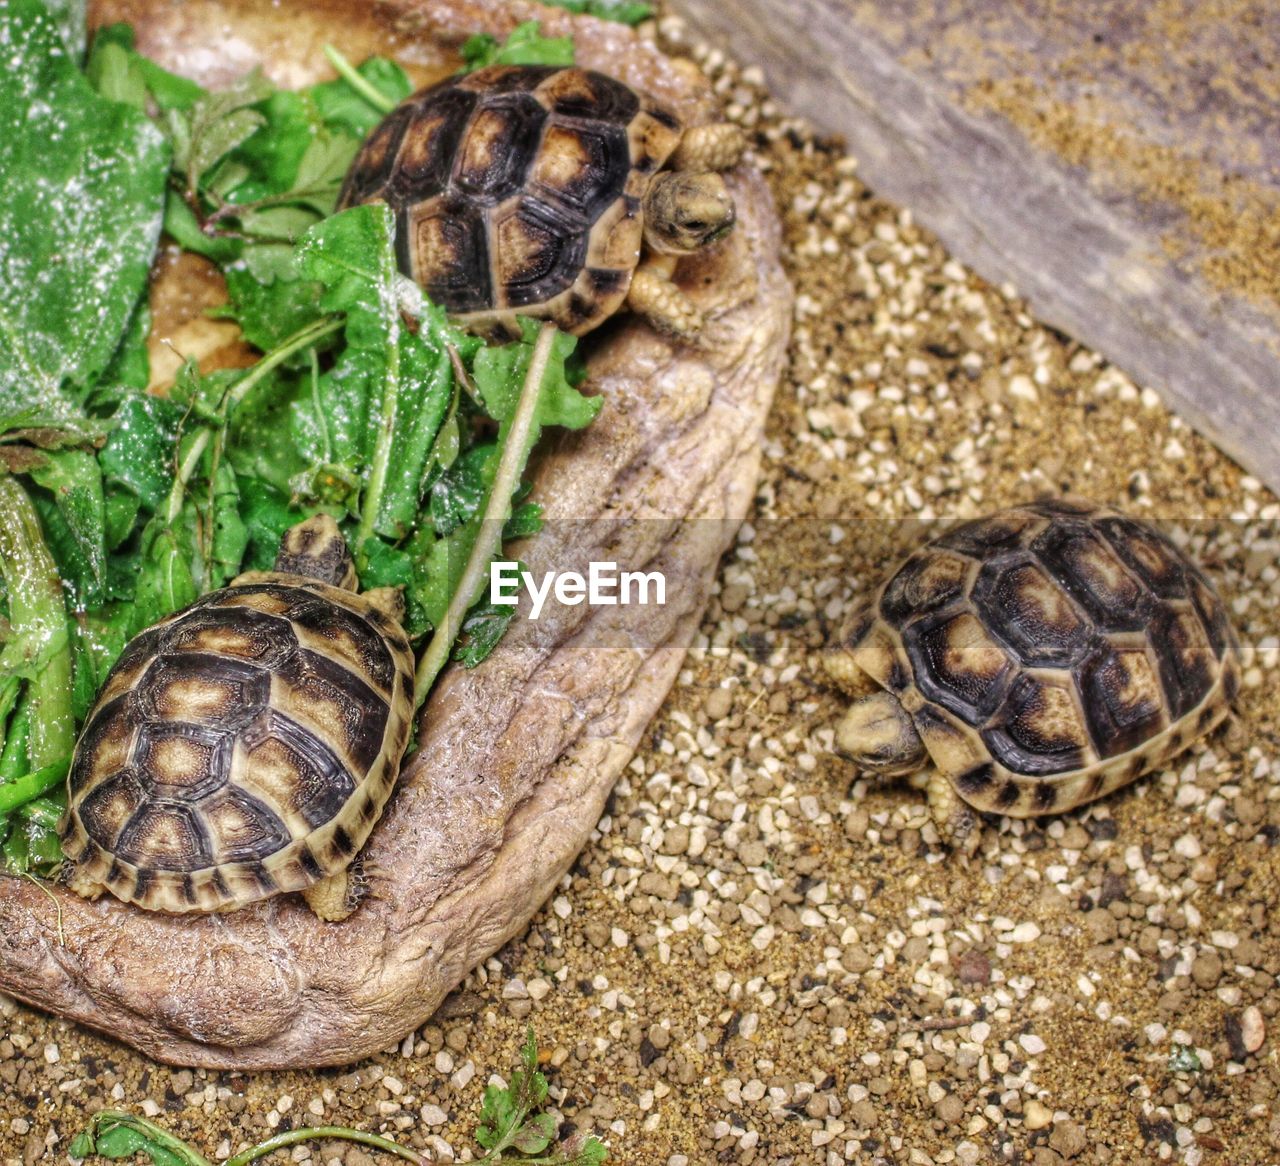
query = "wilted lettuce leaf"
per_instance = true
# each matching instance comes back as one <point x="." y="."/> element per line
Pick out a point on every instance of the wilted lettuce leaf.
<point x="83" y="187"/>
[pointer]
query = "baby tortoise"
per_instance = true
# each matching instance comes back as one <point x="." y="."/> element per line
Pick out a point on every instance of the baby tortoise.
<point x="1038" y="659"/>
<point x="246" y="745"/>
<point x="532" y="190"/>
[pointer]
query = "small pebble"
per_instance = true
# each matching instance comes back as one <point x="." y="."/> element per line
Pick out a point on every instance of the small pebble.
<point x="1035" y="1115"/>
<point x="1253" y="1030"/>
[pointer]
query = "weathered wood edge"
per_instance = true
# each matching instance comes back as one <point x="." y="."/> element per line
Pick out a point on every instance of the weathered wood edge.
<point x="1014" y="213"/>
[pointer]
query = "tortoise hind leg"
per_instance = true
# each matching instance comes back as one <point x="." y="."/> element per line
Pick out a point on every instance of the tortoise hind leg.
<point x="334" y="898"/>
<point x="72" y="876"/>
<point x="719" y="146"/>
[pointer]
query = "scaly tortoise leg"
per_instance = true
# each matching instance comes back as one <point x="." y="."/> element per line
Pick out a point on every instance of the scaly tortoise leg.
<point x="656" y="298"/>
<point x="957" y="823"/>
<point x="330" y="898"/>
<point x="336" y="897"/>
<point x="718" y="146"/>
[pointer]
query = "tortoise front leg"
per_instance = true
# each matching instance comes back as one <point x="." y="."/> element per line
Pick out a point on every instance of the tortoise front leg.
<point x="957" y="823"/>
<point x="718" y="146"/>
<point x="655" y="297"/>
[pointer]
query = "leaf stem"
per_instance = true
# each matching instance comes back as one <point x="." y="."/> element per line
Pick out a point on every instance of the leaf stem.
<point x="496" y="511"/>
<point x="380" y="464"/>
<point x="309" y="1133"/>
<point x="347" y="71"/>
<point x="107" y="1120"/>
<point x="31" y="785"/>
<point x="303" y="338"/>
<point x="110" y="1119"/>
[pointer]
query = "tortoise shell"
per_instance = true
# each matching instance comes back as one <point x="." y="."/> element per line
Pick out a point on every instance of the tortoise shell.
<point x="517" y="189"/>
<point x="1049" y="653"/>
<point x="241" y="747"/>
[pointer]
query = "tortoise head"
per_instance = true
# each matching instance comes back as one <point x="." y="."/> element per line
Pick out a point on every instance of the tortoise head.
<point x="315" y="549"/>
<point x="876" y="734"/>
<point x="684" y="212"/>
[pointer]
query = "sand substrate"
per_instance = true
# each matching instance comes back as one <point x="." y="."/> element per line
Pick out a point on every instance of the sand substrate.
<point x="760" y="959"/>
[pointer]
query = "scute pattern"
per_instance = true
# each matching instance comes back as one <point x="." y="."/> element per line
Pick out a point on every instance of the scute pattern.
<point x="518" y="189"/>
<point x="231" y="734"/>
<point x="1049" y="641"/>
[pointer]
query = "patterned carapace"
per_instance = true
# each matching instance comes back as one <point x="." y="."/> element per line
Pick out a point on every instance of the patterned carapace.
<point x="1048" y="653"/>
<point x="518" y="189"/>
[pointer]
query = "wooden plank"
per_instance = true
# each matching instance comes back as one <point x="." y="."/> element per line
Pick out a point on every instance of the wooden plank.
<point x="1121" y="170"/>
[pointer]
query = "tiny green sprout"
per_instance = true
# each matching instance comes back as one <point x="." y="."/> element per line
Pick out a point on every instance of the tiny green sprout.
<point x="514" y="1128"/>
<point x="1184" y="1059"/>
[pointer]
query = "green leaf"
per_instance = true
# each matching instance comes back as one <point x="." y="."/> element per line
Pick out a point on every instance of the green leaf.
<point x="113" y="71"/>
<point x="622" y="11"/>
<point x="273" y="153"/>
<point x="74" y="480"/>
<point x="499" y="372"/>
<point x="498" y="1114"/>
<point x="113" y="1135"/>
<point x="391" y="387"/>
<point x="37" y="648"/>
<point x="525" y="46"/>
<point x="459" y="492"/>
<point x="592" y="1153"/>
<point x="267" y="513"/>
<point x="535" y="1135"/>
<point x="165" y="582"/>
<point x="140" y="448"/>
<point x="343" y="108"/>
<point x="70" y="16"/>
<point x="524" y="386"/>
<point x="216" y="124"/>
<point x="83" y="179"/>
<point x="181" y="224"/>
<point x="130" y="367"/>
<point x="525" y="520"/>
<point x="485" y="625"/>
<point x="510" y="1120"/>
<point x="116" y="69"/>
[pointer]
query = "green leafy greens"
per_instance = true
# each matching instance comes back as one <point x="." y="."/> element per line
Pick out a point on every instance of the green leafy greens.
<point x="118" y="507"/>
<point x="525" y="46"/>
<point x="113" y="1133"/>
<point x="623" y="11"/>
<point x="83" y="178"/>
